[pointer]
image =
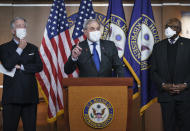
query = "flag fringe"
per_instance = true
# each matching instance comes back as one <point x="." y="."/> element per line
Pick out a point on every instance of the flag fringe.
<point x="136" y="95"/>
<point x="132" y="71"/>
<point x="154" y="100"/>
<point x="53" y="119"/>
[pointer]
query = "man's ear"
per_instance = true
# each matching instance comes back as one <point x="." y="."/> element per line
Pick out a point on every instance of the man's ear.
<point x="85" y="32"/>
<point x="13" y="31"/>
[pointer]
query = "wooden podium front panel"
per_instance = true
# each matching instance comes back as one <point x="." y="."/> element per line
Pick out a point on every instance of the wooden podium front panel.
<point x="79" y="96"/>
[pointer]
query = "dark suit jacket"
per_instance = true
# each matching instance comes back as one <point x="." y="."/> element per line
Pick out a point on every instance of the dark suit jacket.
<point x="22" y="88"/>
<point x="109" y="60"/>
<point x="160" y="72"/>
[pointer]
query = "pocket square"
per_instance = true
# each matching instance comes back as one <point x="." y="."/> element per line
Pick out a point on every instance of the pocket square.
<point x="31" y="54"/>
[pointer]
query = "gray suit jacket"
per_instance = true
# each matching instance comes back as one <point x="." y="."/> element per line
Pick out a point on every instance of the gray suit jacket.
<point x="109" y="61"/>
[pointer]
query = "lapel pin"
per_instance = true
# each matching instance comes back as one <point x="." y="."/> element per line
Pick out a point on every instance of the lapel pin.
<point x="86" y="50"/>
<point x="181" y="43"/>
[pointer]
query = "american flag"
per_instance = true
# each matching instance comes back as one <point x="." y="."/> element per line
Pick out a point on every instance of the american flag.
<point x="85" y="12"/>
<point x="54" y="51"/>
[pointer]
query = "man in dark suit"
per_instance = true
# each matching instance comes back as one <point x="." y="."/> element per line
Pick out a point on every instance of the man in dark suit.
<point x="171" y="72"/>
<point x="20" y="93"/>
<point x="94" y="57"/>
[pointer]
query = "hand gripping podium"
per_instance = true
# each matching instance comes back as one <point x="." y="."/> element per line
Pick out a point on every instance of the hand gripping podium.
<point x="92" y="104"/>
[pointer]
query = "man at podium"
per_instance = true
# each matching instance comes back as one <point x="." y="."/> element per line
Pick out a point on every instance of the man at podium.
<point x="94" y="57"/>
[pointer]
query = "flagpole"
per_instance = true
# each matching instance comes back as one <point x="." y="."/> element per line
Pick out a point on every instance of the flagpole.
<point x="143" y="122"/>
<point x="55" y="126"/>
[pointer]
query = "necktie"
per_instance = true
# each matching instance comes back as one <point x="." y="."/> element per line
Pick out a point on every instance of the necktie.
<point x="96" y="57"/>
<point x="172" y="41"/>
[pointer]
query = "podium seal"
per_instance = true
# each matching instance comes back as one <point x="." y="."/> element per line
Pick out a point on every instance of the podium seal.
<point x="98" y="113"/>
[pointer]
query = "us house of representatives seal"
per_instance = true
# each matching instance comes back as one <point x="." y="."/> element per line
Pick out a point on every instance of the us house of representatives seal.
<point x="98" y="113"/>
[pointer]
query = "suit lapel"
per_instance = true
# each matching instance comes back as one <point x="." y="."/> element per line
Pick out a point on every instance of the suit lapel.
<point x="88" y="54"/>
<point x="179" y="56"/>
<point x="165" y="58"/>
<point x="102" y="49"/>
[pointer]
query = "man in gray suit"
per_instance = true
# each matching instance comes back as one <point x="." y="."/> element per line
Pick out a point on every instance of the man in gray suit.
<point x="94" y="57"/>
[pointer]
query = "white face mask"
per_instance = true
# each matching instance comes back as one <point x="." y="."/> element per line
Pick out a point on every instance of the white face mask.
<point x="94" y="36"/>
<point x="21" y="33"/>
<point x="169" y="32"/>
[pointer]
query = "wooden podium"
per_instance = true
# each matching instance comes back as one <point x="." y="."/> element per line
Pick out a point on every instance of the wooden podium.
<point x="79" y="91"/>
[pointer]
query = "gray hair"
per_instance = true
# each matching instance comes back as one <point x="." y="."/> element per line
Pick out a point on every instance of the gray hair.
<point x="12" y="24"/>
<point x="87" y="22"/>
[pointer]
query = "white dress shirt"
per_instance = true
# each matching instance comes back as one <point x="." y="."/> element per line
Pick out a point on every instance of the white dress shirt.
<point x="90" y="44"/>
<point x="19" y="51"/>
<point x="169" y="40"/>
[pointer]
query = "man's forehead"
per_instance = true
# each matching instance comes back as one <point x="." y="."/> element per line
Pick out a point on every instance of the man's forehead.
<point x="172" y="23"/>
<point x="93" y="23"/>
<point x="19" y="21"/>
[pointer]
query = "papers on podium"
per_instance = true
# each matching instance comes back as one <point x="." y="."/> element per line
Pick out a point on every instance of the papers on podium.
<point x="6" y="72"/>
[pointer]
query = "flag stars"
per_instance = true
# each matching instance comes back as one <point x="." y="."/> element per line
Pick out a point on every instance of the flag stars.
<point x="53" y="28"/>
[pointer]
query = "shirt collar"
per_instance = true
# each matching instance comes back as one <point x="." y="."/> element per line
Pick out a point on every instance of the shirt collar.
<point x="90" y="42"/>
<point x="17" y="42"/>
<point x="174" y="41"/>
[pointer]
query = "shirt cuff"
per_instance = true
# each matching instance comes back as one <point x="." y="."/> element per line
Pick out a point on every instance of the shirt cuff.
<point x="19" y="50"/>
<point x="22" y="67"/>
<point x="74" y="59"/>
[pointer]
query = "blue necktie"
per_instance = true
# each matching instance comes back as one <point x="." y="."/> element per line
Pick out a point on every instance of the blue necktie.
<point x="96" y="57"/>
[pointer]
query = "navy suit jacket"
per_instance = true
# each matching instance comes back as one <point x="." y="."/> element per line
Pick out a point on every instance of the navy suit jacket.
<point x="22" y="88"/>
<point x="160" y="72"/>
<point x="109" y="61"/>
